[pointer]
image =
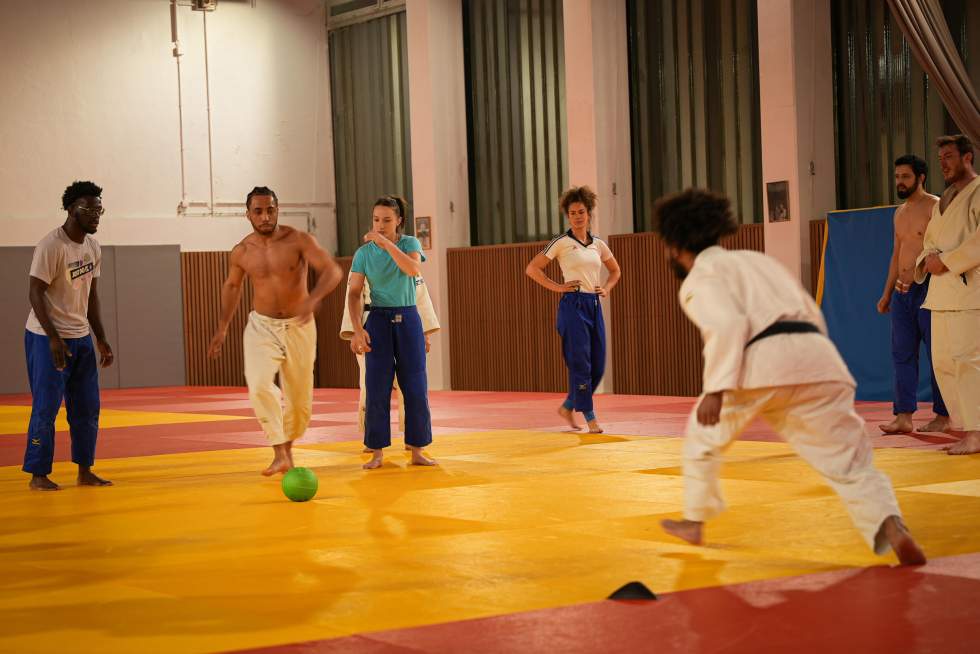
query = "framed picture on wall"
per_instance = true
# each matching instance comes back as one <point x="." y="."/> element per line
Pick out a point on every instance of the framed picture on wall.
<point x="777" y="194"/>
<point x="423" y="231"/>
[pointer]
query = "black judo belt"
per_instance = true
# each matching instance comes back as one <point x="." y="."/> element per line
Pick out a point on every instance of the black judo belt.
<point x="785" y="327"/>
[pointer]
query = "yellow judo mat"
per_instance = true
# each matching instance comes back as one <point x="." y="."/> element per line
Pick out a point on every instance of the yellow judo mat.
<point x="196" y="552"/>
<point x="14" y="419"/>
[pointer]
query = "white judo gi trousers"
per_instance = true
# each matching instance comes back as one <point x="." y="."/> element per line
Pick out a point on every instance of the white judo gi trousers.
<point x="956" y="361"/>
<point x="819" y="422"/>
<point x="283" y="346"/>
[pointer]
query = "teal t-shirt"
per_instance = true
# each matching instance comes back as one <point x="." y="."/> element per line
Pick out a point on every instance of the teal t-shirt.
<point x="390" y="287"/>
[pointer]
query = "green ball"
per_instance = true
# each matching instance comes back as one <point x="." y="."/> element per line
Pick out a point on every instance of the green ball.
<point x="299" y="484"/>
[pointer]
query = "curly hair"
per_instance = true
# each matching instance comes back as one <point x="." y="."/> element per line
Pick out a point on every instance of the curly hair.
<point x="79" y="190"/>
<point x="694" y="220"/>
<point x="399" y="204"/>
<point x="582" y="194"/>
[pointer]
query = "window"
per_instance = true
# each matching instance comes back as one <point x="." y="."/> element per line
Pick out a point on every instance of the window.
<point x="884" y="104"/>
<point x="694" y="102"/>
<point x="515" y="78"/>
<point x="371" y="140"/>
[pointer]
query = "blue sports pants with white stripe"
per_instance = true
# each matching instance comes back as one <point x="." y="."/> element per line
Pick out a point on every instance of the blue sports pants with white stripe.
<point x="583" y="345"/>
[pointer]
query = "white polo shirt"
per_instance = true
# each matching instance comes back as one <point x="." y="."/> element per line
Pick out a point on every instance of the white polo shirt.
<point x="579" y="262"/>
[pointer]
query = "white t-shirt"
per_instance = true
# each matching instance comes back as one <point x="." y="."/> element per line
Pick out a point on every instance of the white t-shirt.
<point x="68" y="268"/>
<point x="579" y="262"/>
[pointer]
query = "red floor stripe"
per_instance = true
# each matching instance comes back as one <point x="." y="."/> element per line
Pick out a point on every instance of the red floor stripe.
<point x="335" y="419"/>
<point x="866" y="611"/>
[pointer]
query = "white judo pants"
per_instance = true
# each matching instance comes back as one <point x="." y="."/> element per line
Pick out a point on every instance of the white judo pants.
<point x="282" y="346"/>
<point x="819" y="422"/>
<point x="956" y="361"/>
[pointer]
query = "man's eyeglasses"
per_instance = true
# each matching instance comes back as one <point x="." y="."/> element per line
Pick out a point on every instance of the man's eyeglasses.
<point x="91" y="213"/>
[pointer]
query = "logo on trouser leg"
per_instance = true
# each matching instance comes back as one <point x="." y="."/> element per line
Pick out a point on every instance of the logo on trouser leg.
<point x="583" y="387"/>
<point x="397" y="318"/>
<point x="36" y="441"/>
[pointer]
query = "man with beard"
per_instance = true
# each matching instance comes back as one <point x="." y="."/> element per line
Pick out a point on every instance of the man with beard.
<point x="62" y="361"/>
<point x="280" y="337"/>
<point x="951" y="254"/>
<point x="766" y="354"/>
<point x="903" y="297"/>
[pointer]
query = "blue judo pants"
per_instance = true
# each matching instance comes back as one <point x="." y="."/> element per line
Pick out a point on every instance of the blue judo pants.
<point x="912" y="325"/>
<point x="77" y="385"/>
<point x="583" y="345"/>
<point x="397" y="348"/>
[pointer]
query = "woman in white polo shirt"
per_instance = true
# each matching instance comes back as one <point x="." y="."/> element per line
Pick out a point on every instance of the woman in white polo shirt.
<point x="581" y="257"/>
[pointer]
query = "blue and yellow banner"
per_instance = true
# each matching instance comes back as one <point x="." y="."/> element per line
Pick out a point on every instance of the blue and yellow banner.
<point x="857" y="251"/>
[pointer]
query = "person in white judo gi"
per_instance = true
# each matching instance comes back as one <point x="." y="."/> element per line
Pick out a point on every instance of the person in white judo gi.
<point x="766" y="353"/>
<point x="951" y="254"/>
<point x="430" y="325"/>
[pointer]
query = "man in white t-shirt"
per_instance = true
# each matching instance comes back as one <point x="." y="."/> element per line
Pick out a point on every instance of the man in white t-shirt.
<point x="62" y="363"/>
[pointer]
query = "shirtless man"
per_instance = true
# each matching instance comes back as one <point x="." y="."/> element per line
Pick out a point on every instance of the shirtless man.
<point x="903" y="298"/>
<point x="280" y="336"/>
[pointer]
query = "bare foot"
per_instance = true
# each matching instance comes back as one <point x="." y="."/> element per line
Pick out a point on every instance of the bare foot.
<point x="89" y="478"/>
<point x="937" y="424"/>
<point x="902" y="424"/>
<point x="277" y="466"/>
<point x="686" y="530"/>
<point x="377" y="459"/>
<point x="420" y="459"/>
<point x="42" y="483"/>
<point x="969" y="445"/>
<point x="569" y="416"/>
<point x="282" y="459"/>
<point x="905" y="548"/>
<point x="594" y="427"/>
<point x="367" y="450"/>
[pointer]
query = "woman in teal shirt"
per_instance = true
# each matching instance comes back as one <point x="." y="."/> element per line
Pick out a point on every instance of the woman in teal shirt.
<point x="391" y="339"/>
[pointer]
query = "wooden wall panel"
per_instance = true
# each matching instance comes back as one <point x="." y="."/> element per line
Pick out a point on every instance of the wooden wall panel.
<point x="502" y="333"/>
<point x="817" y="230"/>
<point x="656" y="349"/>
<point x="335" y="363"/>
<point x="202" y="274"/>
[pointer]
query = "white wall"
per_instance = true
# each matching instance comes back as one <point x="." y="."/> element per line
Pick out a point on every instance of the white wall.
<point x="797" y="121"/>
<point x="92" y="93"/>
<point x="440" y="186"/>
<point x="612" y="115"/>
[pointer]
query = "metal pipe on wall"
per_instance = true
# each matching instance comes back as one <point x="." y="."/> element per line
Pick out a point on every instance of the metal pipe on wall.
<point x="184" y="206"/>
<point x="207" y="90"/>
<point x="178" y="53"/>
